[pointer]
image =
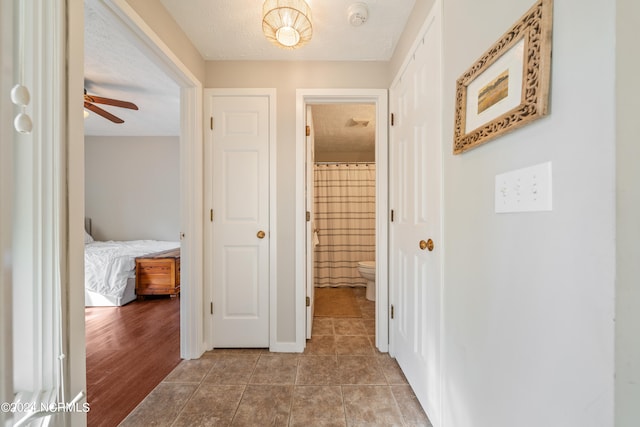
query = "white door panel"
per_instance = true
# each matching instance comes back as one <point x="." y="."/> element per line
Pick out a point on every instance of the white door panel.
<point x="240" y="200"/>
<point x="415" y="158"/>
<point x="310" y="230"/>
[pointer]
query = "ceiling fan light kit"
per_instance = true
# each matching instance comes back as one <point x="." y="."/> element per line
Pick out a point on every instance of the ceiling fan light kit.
<point x="91" y="100"/>
<point x="287" y="23"/>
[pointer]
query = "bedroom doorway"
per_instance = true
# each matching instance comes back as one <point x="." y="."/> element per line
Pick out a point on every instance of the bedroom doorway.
<point x="180" y="173"/>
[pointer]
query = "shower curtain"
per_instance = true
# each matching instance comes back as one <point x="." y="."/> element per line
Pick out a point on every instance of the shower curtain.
<point x="345" y="221"/>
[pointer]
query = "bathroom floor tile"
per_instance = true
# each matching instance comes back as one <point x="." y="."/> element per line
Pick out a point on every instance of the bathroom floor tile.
<point x="275" y="369"/>
<point x="391" y="369"/>
<point x="410" y="408"/>
<point x="211" y="405"/>
<point x="317" y="406"/>
<point x="190" y="371"/>
<point x="267" y="405"/>
<point x="322" y="326"/>
<point x="232" y="369"/>
<point x="349" y="326"/>
<point x="353" y="345"/>
<point x="360" y="370"/>
<point x="371" y="405"/>
<point x="318" y="370"/>
<point x="340" y="380"/>
<point x="321" y="345"/>
<point x="161" y="406"/>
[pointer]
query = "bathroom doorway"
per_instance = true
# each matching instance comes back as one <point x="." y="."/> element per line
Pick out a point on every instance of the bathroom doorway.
<point x="344" y="197"/>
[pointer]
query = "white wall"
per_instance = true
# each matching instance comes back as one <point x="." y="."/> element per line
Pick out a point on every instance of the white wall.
<point x="286" y="77"/>
<point x="529" y="297"/>
<point x="132" y="187"/>
<point x="628" y="216"/>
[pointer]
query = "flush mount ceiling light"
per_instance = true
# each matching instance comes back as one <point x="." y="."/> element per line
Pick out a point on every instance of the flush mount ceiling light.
<point x="287" y="23"/>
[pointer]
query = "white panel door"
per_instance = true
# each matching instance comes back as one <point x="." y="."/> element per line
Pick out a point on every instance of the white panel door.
<point x="310" y="200"/>
<point x="240" y="234"/>
<point x="415" y="163"/>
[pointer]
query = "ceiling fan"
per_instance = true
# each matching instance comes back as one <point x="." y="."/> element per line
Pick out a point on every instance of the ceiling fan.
<point x="90" y="100"/>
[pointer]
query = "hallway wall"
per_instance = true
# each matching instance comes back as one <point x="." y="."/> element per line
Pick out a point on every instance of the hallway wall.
<point x="628" y="214"/>
<point x="529" y="297"/>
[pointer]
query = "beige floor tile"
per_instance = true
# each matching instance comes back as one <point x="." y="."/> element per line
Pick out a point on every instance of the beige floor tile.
<point x="354" y="345"/>
<point x="190" y="371"/>
<point x="275" y="369"/>
<point x="410" y="408"/>
<point x="321" y="345"/>
<point x="371" y="406"/>
<point x="349" y="326"/>
<point x="161" y="406"/>
<point x="322" y="326"/>
<point x="317" y="406"/>
<point x="318" y="370"/>
<point x="211" y="405"/>
<point x="232" y="369"/>
<point x="391" y="369"/>
<point x="368" y="312"/>
<point x="370" y="326"/>
<point x="360" y="370"/>
<point x="264" y="405"/>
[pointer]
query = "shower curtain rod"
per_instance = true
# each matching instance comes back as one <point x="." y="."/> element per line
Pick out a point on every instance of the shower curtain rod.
<point x="345" y="163"/>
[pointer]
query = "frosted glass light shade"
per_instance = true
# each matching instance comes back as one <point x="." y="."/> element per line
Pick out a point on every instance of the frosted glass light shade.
<point x="287" y="23"/>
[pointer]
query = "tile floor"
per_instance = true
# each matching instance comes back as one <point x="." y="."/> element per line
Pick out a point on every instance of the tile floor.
<point x="339" y="380"/>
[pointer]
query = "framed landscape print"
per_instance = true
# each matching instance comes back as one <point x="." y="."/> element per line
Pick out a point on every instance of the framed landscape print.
<point x="508" y="86"/>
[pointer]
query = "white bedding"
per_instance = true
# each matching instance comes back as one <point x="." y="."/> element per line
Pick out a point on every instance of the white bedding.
<point x="108" y="265"/>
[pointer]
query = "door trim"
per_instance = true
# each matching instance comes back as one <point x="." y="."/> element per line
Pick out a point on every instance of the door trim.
<point x="379" y="97"/>
<point x="269" y="93"/>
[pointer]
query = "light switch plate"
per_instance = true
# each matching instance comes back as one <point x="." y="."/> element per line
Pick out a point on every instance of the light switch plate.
<point x="524" y="190"/>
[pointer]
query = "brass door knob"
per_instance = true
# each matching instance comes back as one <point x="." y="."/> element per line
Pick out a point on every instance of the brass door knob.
<point x="426" y="245"/>
<point x="260" y="234"/>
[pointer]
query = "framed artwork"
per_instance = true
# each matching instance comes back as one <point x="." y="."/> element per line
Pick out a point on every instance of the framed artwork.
<point x="508" y="86"/>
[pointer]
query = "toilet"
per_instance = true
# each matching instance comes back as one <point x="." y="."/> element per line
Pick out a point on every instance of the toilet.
<point x="367" y="270"/>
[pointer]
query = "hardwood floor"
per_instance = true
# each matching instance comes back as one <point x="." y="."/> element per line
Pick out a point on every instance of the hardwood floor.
<point x="130" y="349"/>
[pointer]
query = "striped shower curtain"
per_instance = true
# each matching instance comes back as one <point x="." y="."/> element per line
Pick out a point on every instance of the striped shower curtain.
<point x="345" y="220"/>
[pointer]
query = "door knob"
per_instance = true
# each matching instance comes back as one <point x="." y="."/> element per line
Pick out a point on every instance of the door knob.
<point x="260" y="234"/>
<point x="426" y="245"/>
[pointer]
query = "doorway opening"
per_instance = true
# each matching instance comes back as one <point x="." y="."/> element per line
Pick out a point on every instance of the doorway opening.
<point x="341" y="189"/>
<point x="313" y="106"/>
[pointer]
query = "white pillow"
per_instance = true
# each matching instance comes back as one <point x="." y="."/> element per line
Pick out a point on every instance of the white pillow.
<point x="87" y="237"/>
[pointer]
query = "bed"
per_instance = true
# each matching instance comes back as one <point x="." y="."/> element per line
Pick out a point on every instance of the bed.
<point x="109" y="268"/>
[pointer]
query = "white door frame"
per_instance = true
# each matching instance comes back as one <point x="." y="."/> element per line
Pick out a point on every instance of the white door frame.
<point x="192" y="339"/>
<point x="336" y="96"/>
<point x="273" y="234"/>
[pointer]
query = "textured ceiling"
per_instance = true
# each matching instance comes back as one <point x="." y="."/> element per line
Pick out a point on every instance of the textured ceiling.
<point x="115" y="67"/>
<point x="344" y="127"/>
<point x="232" y="30"/>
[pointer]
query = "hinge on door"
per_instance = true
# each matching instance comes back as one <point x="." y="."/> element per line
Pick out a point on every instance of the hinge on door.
<point x="308" y="216"/>
<point x="211" y="123"/>
<point x="211" y="214"/>
<point x="392" y="214"/>
<point x="308" y="130"/>
<point x="392" y="311"/>
<point x="308" y="301"/>
<point x="392" y="119"/>
<point x="211" y="307"/>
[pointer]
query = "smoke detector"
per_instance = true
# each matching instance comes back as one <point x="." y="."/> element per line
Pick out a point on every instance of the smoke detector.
<point x="358" y="14"/>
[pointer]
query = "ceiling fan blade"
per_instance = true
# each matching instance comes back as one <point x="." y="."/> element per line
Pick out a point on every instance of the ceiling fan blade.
<point x="99" y="111"/>
<point x="109" y="101"/>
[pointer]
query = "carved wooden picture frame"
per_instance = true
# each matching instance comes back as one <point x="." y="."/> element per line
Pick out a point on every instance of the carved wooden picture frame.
<point x="508" y="86"/>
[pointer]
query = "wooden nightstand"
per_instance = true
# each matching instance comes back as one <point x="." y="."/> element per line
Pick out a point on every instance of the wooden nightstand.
<point x="158" y="273"/>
